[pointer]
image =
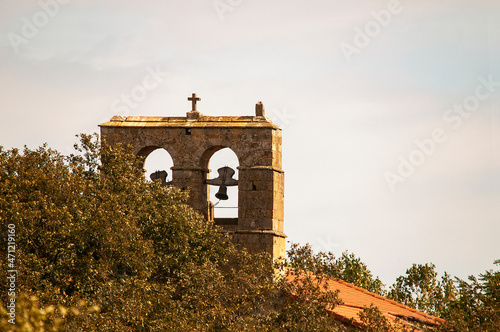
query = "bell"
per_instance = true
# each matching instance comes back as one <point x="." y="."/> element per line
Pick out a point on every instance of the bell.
<point x="222" y="193"/>
<point x="224" y="180"/>
<point x="225" y="177"/>
<point x="160" y="175"/>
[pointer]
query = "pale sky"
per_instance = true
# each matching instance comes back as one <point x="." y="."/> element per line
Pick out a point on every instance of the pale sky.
<point x="390" y="110"/>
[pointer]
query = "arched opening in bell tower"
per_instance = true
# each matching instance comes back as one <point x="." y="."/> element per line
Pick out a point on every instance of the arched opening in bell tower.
<point x="222" y="161"/>
<point x="157" y="164"/>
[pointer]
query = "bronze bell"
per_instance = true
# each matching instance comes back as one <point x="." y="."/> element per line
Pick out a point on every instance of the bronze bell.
<point x="224" y="180"/>
<point x="222" y="193"/>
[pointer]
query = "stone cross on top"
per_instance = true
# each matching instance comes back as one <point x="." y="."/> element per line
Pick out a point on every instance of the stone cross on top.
<point x="193" y="100"/>
<point x="193" y="114"/>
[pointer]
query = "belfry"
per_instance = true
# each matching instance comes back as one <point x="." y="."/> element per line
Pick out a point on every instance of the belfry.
<point x="192" y="140"/>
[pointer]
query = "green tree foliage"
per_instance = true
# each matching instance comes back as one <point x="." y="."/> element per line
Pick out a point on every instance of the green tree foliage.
<point x="472" y="305"/>
<point x="104" y="250"/>
<point x="347" y="267"/>
<point x="98" y="232"/>
<point x="90" y="228"/>
<point x="373" y="320"/>
<point x="306" y="298"/>
<point x="421" y="289"/>
<point x="30" y="317"/>
<point x="477" y="305"/>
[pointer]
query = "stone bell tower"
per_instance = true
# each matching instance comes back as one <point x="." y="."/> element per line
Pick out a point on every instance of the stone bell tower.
<point x="192" y="140"/>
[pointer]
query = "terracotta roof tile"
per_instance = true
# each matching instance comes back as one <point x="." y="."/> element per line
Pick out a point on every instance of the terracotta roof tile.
<point x="354" y="299"/>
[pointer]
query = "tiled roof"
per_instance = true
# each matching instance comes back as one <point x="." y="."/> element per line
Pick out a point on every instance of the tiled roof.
<point x="355" y="299"/>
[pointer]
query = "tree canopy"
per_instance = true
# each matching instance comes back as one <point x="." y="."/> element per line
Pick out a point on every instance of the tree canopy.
<point x="90" y="229"/>
<point x="99" y="248"/>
